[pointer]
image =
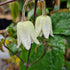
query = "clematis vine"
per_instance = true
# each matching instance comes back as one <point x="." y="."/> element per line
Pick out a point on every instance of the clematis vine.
<point x="26" y="34"/>
<point x="5" y="53"/>
<point x="43" y="24"/>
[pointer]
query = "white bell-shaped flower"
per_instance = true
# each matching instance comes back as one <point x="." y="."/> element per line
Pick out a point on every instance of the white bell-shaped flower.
<point x="5" y="54"/>
<point x="43" y="25"/>
<point x="26" y="34"/>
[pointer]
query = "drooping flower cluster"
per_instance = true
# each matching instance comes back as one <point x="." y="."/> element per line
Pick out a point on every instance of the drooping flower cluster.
<point x="26" y="33"/>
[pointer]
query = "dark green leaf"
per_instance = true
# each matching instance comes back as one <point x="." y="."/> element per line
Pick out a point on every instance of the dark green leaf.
<point x="53" y="60"/>
<point x="61" y="23"/>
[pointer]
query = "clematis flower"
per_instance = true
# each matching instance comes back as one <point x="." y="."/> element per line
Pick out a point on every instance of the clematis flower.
<point x="26" y="34"/>
<point x="5" y="54"/>
<point x="43" y="26"/>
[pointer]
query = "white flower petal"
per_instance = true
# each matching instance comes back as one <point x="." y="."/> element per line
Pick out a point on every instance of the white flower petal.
<point x="46" y="26"/>
<point x="38" y="25"/>
<point x="46" y="30"/>
<point x="18" y="39"/>
<point x="34" y="39"/>
<point x="32" y="32"/>
<point x="25" y="38"/>
<point x="51" y="32"/>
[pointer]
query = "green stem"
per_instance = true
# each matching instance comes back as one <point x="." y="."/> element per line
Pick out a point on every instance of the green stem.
<point x="18" y="54"/>
<point x="23" y="10"/>
<point x="28" y="59"/>
<point x="43" y="7"/>
<point x="23" y="13"/>
<point x="35" y="11"/>
<point x="33" y="23"/>
<point x="7" y="2"/>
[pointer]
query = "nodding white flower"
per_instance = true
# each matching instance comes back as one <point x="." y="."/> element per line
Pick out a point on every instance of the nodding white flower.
<point x="26" y="34"/>
<point x="43" y="26"/>
<point x="5" y="54"/>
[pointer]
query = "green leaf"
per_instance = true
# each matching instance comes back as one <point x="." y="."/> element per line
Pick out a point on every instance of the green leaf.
<point x="13" y="47"/>
<point x="68" y="41"/>
<point x="2" y="40"/>
<point x="68" y="4"/>
<point x="14" y="7"/>
<point x="47" y="11"/>
<point x="58" y="44"/>
<point x="11" y="32"/>
<point x="23" y="55"/>
<point x="63" y="0"/>
<point x="61" y="23"/>
<point x="53" y="60"/>
<point x="67" y="65"/>
<point x="62" y="27"/>
<point x="11" y="39"/>
<point x="21" y="3"/>
<point x="30" y="13"/>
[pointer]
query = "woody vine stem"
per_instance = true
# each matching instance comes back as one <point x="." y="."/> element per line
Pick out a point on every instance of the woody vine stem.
<point x="44" y="43"/>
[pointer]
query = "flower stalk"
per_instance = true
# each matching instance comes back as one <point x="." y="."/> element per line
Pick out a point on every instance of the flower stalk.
<point x="35" y="11"/>
<point x="23" y="13"/>
<point x="34" y="24"/>
<point x="43" y="7"/>
<point x="14" y="54"/>
<point x="23" y="10"/>
<point x="28" y="59"/>
<point x="7" y="2"/>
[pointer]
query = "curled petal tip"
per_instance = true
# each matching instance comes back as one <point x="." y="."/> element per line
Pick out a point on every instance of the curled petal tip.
<point x="17" y="46"/>
<point x="38" y="42"/>
<point x="52" y="35"/>
<point x="47" y="37"/>
<point x="28" y="48"/>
